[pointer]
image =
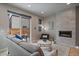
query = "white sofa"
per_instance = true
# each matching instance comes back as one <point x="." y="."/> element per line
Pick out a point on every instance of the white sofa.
<point x="13" y="48"/>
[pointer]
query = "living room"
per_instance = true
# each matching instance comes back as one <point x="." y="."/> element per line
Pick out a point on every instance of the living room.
<point x="54" y="29"/>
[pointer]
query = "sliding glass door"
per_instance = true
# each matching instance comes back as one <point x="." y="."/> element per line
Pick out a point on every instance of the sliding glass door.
<point x="20" y="25"/>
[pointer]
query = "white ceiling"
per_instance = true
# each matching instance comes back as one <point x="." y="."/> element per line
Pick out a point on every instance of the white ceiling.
<point x="47" y="8"/>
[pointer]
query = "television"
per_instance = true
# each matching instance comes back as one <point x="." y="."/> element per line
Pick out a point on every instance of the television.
<point x="45" y="37"/>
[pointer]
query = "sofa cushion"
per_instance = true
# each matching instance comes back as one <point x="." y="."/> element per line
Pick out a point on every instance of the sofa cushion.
<point x="31" y="48"/>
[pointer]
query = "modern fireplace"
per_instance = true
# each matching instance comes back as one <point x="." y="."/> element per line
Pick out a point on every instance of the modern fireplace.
<point x="67" y="34"/>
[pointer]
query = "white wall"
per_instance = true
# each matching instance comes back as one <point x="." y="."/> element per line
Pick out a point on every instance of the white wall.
<point x="35" y="33"/>
<point x="63" y="21"/>
<point x="48" y="25"/>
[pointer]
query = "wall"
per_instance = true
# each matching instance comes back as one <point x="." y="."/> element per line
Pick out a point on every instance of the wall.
<point x="63" y="21"/>
<point x="77" y="25"/>
<point x="4" y="21"/>
<point x="50" y="28"/>
<point x="35" y="33"/>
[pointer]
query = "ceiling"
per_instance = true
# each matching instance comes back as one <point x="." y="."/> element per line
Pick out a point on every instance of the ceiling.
<point x="43" y="9"/>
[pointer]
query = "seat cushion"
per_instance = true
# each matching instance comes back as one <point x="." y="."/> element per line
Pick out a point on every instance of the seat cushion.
<point x="29" y="47"/>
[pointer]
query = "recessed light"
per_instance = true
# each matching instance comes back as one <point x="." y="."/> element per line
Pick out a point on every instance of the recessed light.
<point x="68" y="3"/>
<point x="42" y="12"/>
<point x="29" y="5"/>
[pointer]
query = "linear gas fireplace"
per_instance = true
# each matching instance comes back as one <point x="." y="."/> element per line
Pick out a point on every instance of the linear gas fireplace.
<point x="67" y="34"/>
